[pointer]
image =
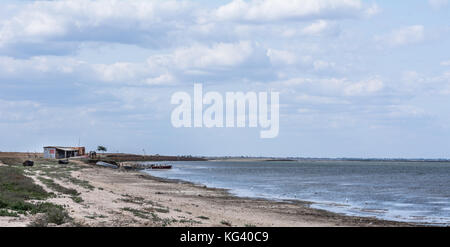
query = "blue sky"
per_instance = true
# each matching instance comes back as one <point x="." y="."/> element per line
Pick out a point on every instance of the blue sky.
<point x="356" y="78"/>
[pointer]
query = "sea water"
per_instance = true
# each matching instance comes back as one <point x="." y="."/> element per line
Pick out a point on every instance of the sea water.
<point x="401" y="191"/>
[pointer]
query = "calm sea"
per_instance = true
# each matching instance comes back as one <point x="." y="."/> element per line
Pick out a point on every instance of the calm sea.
<point x="401" y="191"/>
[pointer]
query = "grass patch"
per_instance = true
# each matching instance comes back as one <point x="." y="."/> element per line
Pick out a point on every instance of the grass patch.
<point x="163" y="222"/>
<point x="12" y="161"/>
<point x="16" y="189"/>
<point x="150" y="215"/>
<point x="140" y="201"/>
<point x="203" y="217"/>
<point x="56" y="187"/>
<point x="4" y="212"/>
<point x="51" y="169"/>
<point x="132" y="199"/>
<point x="190" y="221"/>
<point x="226" y="223"/>
<point x="64" y="173"/>
<point x="77" y="199"/>
<point x="162" y="210"/>
<point x="157" y="209"/>
<point x="95" y="216"/>
<point x="137" y="213"/>
<point x="52" y="214"/>
<point x="82" y="183"/>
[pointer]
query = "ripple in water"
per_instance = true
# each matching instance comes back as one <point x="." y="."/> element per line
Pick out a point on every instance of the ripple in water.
<point x="401" y="191"/>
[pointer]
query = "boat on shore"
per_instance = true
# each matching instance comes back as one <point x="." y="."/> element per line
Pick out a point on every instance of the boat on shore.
<point x="143" y="166"/>
<point x="161" y="167"/>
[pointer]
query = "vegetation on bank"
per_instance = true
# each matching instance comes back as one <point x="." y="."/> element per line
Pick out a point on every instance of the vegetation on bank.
<point x="136" y="157"/>
<point x="39" y="194"/>
<point x="102" y="149"/>
<point x="57" y="187"/>
<point x="16" y="193"/>
<point x="20" y="195"/>
<point x="226" y="223"/>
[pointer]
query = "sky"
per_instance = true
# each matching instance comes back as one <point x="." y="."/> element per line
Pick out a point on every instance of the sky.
<point x="356" y="78"/>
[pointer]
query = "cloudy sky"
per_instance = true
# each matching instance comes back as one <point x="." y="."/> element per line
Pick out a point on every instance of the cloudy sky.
<point x="356" y="78"/>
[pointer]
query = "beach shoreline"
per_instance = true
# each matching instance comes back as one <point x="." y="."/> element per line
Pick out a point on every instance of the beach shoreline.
<point x="319" y="215"/>
<point x="117" y="197"/>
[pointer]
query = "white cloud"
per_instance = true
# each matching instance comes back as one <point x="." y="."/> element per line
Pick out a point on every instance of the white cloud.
<point x="445" y="63"/>
<point x="309" y="29"/>
<point x="323" y="65"/>
<point x="135" y="21"/>
<point x="281" y="57"/>
<point x="405" y="111"/>
<point x="164" y="79"/>
<point x="374" y="9"/>
<point x="415" y="83"/>
<point x="132" y="97"/>
<point x="218" y="55"/>
<point x="20" y="110"/>
<point x="61" y="69"/>
<point x="364" y="87"/>
<point x="161" y="69"/>
<point x="319" y="27"/>
<point x="312" y="99"/>
<point x="219" y="61"/>
<point x="438" y="4"/>
<point x="63" y="27"/>
<point x="442" y="83"/>
<point x="411" y="81"/>
<point x="42" y="66"/>
<point x="334" y="86"/>
<point x="407" y="35"/>
<point x="116" y="72"/>
<point x="273" y="10"/>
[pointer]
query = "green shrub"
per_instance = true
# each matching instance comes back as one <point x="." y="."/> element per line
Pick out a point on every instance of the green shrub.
<point x="56" y="187"/>
<point x="16" y="189"/>
<point x="4" y="212"/>
<point x="14" y="186"/>
<point x="57" y="216"/>
<point x="77" y="199"/>
<point x="52" y="213"/>
<point x="226" y="223"/>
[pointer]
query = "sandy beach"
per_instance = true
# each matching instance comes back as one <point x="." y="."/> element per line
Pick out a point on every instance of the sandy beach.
<point x="115" y="197"/>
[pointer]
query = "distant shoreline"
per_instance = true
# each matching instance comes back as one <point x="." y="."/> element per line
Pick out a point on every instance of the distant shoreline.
<point x="322" y="159"/>
<point x="121" y="157"/>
